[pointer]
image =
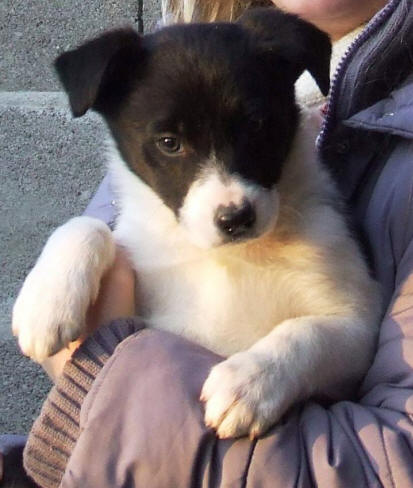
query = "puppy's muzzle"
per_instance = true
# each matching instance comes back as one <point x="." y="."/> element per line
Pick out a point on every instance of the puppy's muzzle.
<point x="235" y="221"/>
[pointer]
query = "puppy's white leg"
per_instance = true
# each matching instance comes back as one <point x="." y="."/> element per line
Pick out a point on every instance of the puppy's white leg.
<point x="51" y="307"/>
<point x="301" y="357"/>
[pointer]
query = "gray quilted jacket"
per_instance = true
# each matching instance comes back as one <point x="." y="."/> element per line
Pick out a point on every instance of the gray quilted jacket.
<point x="126" y="411"/>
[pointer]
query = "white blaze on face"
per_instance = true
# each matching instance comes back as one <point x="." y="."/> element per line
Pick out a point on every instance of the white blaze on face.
<point x="214" y="189"/>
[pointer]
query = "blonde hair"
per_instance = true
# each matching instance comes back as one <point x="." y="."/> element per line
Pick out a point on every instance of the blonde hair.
<point x="206" y="10"/>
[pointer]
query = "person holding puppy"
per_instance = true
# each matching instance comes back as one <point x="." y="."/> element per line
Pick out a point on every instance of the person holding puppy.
<point x="365" y="140"/>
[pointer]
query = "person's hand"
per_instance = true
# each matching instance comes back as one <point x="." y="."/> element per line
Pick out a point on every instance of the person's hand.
<point x="116" y="299"/>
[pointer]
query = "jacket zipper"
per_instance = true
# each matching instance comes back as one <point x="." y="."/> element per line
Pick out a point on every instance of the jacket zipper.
<point x="342" y="66"/>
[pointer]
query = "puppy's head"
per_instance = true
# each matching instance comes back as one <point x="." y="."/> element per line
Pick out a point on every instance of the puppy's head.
<point x="204" y="113"/>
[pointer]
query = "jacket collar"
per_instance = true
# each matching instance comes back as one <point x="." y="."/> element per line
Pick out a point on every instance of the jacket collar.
<point x="392" y="115"/>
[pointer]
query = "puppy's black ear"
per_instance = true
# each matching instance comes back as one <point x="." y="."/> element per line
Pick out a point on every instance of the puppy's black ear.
<point x="87" y="72"/>
<point x="285" y="36"/>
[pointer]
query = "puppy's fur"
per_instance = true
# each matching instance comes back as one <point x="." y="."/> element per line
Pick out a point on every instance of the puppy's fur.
<point x="227" y="216"/>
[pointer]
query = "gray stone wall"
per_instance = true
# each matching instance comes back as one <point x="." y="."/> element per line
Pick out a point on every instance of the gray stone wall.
<point x="50" y="164"/>
<point x="33" y="33"/>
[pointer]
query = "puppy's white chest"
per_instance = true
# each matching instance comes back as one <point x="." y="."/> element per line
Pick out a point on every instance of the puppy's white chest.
<point x="217" y="303"/>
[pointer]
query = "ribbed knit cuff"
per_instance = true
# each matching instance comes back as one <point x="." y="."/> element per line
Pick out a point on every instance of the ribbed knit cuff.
<point x="55" y="432"/>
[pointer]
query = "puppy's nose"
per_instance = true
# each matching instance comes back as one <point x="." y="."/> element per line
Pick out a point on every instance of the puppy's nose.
<point x="235" y="221"/>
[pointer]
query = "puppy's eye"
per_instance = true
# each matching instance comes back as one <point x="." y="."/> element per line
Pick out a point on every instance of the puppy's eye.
<point x="170" y="144"/>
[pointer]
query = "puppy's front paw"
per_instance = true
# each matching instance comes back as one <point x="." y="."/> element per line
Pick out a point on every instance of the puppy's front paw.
<point x="51" y="308"/>
<point x="48" y="314"/>
<point x="243" y="396"/>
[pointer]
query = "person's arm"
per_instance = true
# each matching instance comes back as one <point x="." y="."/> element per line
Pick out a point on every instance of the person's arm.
<point x="103" y="205"/>
<point x="117" y="292"/>
<point x="116" y="299"/>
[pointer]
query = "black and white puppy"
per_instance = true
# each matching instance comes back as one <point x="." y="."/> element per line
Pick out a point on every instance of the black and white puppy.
<point x="225" y="212"/>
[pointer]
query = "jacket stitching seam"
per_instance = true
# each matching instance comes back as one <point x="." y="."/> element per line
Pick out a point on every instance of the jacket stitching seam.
<point x="407" y="215"/>
<point x="389" y="468"/>
<point x="362" y="124"/>
<point x="245" y="477"/>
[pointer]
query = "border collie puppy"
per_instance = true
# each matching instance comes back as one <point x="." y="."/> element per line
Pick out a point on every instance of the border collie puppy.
<point x="228" y="218"/>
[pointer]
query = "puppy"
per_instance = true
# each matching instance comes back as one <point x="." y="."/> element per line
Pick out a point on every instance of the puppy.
<point x="229" y="219"/>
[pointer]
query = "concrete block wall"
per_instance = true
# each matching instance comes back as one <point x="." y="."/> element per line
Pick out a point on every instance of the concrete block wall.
<point x="50" y="164"/>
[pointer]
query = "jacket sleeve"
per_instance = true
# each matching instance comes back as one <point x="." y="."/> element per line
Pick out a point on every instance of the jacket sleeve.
<point x="103" y="204"/>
